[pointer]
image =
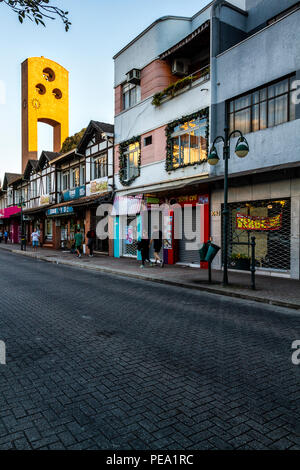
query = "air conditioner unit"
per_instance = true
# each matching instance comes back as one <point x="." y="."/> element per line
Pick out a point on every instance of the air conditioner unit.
<point x="134" y="76"/>
<point x="180" y="66"/>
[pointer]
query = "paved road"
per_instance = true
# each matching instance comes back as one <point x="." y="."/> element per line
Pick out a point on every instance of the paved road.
<point x="99" y="361"/>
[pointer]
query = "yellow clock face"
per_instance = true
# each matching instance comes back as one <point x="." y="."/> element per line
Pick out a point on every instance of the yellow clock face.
<point x="35" y="103"/>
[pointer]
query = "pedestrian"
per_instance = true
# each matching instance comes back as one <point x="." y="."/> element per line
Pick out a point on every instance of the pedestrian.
<point x="5" y="236"/>
<point x="143" y="247"/>
<point x="78" y="243"/>
<point x="157" y="244"/>
<point x="91" y="240"/>
<point x="35" y="240"/>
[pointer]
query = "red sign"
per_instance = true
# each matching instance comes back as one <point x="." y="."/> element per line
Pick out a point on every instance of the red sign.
<point x="248" y="222"/>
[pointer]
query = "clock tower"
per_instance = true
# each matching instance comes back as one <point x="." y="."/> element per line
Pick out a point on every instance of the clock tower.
<point x="45" y="98"/>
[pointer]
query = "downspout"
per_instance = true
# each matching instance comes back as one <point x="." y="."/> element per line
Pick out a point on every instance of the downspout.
<point x="214" y="48"/>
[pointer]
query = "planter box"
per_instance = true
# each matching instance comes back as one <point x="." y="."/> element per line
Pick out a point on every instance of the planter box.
<point x="241" y="264"/>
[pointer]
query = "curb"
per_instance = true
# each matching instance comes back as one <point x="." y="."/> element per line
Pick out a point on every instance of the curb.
<point x="212" y="290"/>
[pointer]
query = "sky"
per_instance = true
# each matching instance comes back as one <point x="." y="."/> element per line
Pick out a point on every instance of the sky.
<point x="100" y="28"/>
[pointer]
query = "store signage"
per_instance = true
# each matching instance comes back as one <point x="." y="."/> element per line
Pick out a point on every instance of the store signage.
<point x="129" y="235"/>
<point x="44" y="200"/>
<point x="60" y="210"/>
<point x="97" y="186"/>
<point x="168" y="231"/>
<point x="192" y="199"/>
<point x="127" y="205"/>
<point x="248" y="222"/>
<point x="75" y="193"/>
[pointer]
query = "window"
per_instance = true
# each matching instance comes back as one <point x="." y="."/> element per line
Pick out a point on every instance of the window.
<point x="189" y="142"/>
<point x="82" y="175"/>
<point x="148" y="140"/>
<point x="100" y="167"/>
<point x="75" y="177"/>
<point x="48" y="184"/>
<point x="132" y="160"/>
<point x="65" y="180"/>
<point x="48" y="229"/>
<point x="265" y="107"/>
<point x="131" y="95"/>
<point x="34" y="188"/>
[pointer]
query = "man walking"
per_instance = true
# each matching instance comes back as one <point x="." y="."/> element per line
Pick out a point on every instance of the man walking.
<point x="157" y="244"/>
<point x="35" y="240"/>
<point x="78" y="243"/>
<point x="6" y="236"/>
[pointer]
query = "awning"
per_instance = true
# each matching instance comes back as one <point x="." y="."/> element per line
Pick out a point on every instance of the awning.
<point x="127" y="205"/>
<point x="9" y="212"/>
<point x="185" y="41"/>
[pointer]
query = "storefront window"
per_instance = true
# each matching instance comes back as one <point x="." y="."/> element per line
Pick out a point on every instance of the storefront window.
<point x="48" y="229"/>
<point x="269" y="221"/>
<point x="189" y="143"/>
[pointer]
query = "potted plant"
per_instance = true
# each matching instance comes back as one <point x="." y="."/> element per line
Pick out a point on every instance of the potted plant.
<point x="240" y="261"/>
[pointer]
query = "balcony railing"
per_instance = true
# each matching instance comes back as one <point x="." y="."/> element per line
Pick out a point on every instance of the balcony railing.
<point x="201" y="75"/>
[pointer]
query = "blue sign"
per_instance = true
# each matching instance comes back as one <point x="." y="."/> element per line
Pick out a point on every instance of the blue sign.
<point x="60" y="210"/>
<point x="75" y="193"/>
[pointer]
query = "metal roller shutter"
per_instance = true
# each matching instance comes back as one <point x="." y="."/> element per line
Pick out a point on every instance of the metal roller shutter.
<point x="188" y="227"/>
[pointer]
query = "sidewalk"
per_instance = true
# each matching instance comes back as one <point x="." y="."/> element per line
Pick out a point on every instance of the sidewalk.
<point x="272" y="290"/>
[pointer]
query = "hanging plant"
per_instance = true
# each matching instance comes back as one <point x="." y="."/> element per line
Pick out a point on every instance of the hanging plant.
<point x="172" y="89"/>
<point x="203" y="114"/>
<point x="123" y="147"/>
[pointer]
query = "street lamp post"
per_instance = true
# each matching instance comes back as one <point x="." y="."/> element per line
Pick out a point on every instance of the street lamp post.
<point x="241" y="150"/>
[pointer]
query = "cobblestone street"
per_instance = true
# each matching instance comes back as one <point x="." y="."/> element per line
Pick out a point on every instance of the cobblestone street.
<point x="98" y="361"/>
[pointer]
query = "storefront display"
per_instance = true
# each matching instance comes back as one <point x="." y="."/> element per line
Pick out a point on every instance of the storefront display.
<point x="270" y="222"/>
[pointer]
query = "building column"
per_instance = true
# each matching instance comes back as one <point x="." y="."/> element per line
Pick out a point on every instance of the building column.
<point x="295" y="237"/>
<point x="87" y="223"/>
<point x="110" y="236"/>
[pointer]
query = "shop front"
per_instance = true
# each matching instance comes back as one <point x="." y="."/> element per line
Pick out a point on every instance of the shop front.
<point x="61" y="224"/>
<point x="269" y="221"/>
<point x="183" y="220"/>
<point x="11" y="222"/>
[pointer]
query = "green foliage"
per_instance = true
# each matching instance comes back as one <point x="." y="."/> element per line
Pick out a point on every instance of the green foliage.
<point x="236" y="256"/>
<point x="37" y="11"/>
<point x="204" y="113"/>
<point x="72" y="142"/>
<point x="123" y="146"/>
<point x="172" y="89"/>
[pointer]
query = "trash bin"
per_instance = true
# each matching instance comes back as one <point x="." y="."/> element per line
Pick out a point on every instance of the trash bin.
<point x="211" y="252"/>
<point x="203" y="251"/>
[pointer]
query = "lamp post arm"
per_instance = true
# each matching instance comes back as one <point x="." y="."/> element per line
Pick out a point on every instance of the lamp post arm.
<point x="219" y="138"/>
<point x="235" y="132"/>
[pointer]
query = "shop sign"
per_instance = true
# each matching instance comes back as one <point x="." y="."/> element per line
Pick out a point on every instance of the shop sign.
<point x="192" y="199"/>
<point x="44" y="200"/>
<point x="168" y="230"/>
<point x="60" y="210"/>
<point x="127" y="205"/>
<point x="75" y="193"/>
<point x="248" y="222"/>
<point x="97" y="186"/>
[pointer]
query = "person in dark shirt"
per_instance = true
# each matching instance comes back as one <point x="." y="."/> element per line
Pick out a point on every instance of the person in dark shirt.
<point x="157" y="244"/>
<point x="143" y="247"/>
<point x="91" y="240"/>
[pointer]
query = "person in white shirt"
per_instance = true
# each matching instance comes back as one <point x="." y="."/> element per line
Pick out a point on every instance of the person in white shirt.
<point x="35" y="240"/>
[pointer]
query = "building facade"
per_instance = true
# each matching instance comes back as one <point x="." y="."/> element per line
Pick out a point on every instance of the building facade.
<point x="178" y="85"/>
